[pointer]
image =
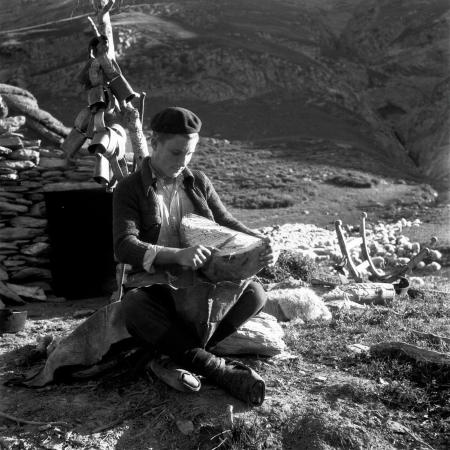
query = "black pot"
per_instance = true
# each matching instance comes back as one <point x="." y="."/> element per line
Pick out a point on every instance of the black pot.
<point x="12" y="321"/>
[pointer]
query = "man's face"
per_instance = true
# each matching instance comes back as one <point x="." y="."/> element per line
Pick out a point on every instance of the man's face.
<point x="173" y="155"/>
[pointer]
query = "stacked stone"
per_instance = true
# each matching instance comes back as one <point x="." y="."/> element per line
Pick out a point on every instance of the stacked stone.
<point x="26" y="169"/>
<point x="388" y="246"/>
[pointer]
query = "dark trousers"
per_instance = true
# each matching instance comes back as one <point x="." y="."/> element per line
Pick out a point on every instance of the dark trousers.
<point x="150" y="316"/>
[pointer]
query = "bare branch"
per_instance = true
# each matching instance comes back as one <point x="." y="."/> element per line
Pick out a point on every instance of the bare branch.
<point x="91" y="21"/>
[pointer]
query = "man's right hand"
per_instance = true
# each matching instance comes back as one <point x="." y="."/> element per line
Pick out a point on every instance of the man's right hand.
<point x="193" y="257"/>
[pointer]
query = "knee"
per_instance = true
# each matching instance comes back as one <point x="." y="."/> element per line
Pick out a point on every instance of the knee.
<point x="131" y="304"/>
<point x="256" y="295"/>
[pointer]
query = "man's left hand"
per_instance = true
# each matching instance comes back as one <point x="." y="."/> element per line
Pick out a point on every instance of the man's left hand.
<point x="270" y="254"/>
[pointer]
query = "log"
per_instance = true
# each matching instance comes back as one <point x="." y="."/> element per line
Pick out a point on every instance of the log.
<point x="364" y="293"/>
<point x="235" y="255"/>
<point x="418" y="354"/>
<point x="261" y="335"/>
<point x="434" y="338"/>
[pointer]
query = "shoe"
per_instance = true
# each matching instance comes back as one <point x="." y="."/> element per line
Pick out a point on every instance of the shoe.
<point x="170" y="373"/>
<point x="239" y="380"/>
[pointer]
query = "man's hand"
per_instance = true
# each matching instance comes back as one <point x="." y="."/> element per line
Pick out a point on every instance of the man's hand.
<point x="193" y="257"/>
<point x="270" y="255"/>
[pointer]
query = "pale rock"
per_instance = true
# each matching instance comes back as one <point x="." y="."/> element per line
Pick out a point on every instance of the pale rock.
<point x="296" y="303"/>
<point x="37" y="249"/>
<point x="13" y="263"/>
<point x="17" y="165"/>
<point x="36" y="273"/>
<point x="24" y="154"/>
<point x="4" y="206"/>
<point x="31" y="184"/>
<point x="17" y="233"/>
<point x="41" y="239"/>
<point x="415" y="247"/>
<point x="402" y="261"/>
<point x="48" y="153"/>
<point x="30" y="292"/>
<point x="3" y="274"/>
<point x="38" y="210"/>
<point x="434" y="266"/>
<point x="416" y="282"/>
<point x="54" y="163"/>
<point x="11" y="142"/>
<point x="22" y="201"/>
<point x="36" y="197"/>
<point x="52" y="174"/>
<point x="260" y="335"/>
<point x="28" y="222"/>
<point x="358" y="348"/>
<point x="7" y="170"/>
<point x="186" y="427"/>
<point x="8" y="296"/>
<point x="44" y="285"/>
<point x="5" y="151"/>
<point x="9" y="176"/>
<point x="435" y="255"/>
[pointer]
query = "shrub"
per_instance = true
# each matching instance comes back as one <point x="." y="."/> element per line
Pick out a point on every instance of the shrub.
<point x="289" y="264"/>
<point x="262" y="199"/>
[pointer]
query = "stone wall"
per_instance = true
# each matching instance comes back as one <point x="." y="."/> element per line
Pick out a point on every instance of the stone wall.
<point x="27" y="170"/>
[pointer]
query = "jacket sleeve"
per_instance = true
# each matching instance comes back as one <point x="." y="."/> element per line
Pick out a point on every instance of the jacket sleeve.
<point x="128" y="248"/>
<point x="221" y="215"/>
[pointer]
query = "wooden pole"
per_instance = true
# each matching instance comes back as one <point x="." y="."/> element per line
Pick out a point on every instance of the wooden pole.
<point x="131" y="119"/>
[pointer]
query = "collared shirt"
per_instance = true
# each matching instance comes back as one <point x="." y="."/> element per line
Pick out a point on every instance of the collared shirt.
<point x="173" y="204"/>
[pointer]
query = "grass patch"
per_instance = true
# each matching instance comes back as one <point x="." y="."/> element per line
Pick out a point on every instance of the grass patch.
<point x="290" y="264"/>
<point x="262" y="199"/>
<point x="243" y="434"/>
<point x="403" y="383"/>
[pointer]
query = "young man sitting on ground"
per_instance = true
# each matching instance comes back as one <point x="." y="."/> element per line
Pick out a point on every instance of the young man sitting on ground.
<point x="148" y="208"/>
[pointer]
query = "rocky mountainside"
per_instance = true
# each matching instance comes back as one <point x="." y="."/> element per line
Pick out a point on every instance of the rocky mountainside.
<point x="369" y="75"/>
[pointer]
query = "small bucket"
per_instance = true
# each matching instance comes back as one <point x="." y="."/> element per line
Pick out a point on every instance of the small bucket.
<point x="97" y="98"/>
<point x="101" y="170"/>
<point x="12" y="321"/>
<point x="122" y="89"/>
<point x="101" y="141"/>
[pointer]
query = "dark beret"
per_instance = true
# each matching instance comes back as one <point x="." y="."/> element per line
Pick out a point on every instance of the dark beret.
<point x="176" y="120"/>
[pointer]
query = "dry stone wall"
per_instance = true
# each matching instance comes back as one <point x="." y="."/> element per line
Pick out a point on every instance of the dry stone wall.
<point x="27" y="169"/>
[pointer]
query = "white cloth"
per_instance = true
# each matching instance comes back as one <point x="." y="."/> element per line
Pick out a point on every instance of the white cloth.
<point x="173" y="205"/>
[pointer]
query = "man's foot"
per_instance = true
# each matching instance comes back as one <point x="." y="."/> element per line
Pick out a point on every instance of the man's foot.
<point x="181" y="380"/>
<point x="238" y="379"/>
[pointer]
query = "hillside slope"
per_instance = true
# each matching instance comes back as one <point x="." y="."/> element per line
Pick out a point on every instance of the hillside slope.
<point x="266" y="71"/>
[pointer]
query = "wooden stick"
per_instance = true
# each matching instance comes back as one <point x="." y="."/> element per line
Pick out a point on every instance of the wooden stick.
<point x="29" y="422"/>
<point x="432" y="337"/>
<point x="103" y="7"/>
<point x="97" y="33"/>
<point x="417" y="353"/>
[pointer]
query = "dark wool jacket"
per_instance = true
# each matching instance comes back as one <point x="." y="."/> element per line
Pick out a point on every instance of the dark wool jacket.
<point x="136" y="216"/>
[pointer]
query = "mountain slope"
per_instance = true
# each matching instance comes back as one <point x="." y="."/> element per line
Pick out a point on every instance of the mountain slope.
<point x="262" y="70"/>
